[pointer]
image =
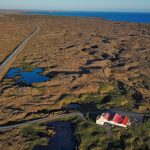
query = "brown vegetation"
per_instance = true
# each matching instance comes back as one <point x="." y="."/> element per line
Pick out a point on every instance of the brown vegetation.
<point x="78" y="55"/>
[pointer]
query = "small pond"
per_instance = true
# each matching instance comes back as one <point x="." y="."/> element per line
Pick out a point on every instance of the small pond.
<point x="26" y="77"/>
<point x="63" y="139"/>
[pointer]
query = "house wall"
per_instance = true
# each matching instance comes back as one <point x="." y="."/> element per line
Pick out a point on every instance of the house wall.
<point x="102" y="120"/>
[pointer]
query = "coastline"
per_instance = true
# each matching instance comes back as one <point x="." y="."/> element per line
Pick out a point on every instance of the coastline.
<point x="127" y="17"/>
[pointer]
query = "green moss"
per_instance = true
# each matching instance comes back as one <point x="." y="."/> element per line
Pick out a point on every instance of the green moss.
<point x="40" y="88"/>
<point x="121" y="101"/>
<point x="32" y="131"/>
<point x="36" y="135"/>
<point x="90" y="135"/>
<point x="106" y="88"/>
<point x="132" y="138"/>
<point x="117" y="95"/>
<point x="92" y="102"/>
<point x="40" y="141"/>
<point x="65" y="101"/>
<point x="27" y="66"/>
<point x="95" y="137"/>
<point x="111" y="94"/>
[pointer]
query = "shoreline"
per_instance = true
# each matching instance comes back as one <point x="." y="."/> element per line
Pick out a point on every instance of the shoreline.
<point x="85" y="14"/>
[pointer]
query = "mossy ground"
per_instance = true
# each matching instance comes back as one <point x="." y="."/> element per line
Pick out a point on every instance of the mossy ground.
<point x="27" y="66"/>
<point x="36" y="134"/>
<point x="94" y="137"/>
<point x="109" y="95"/>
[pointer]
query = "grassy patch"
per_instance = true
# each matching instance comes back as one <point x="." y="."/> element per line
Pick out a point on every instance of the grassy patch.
<point x="26" y="66"/>
<point x="115" y="94"/>
<point x="36" y="135"/>
<point x="65" y="101"/>
<point x="90" y="135"/>
<point x="105" y="88"/>
<point x="40" y="141"/>
<point x="92" y="102"/>
<point x="118" y="95"/>
<point x="94" y="137"/>
<point x="112" y="99"/>
<point x="133" y="138"/>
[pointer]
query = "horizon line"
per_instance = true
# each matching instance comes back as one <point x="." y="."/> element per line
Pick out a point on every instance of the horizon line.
<point x="46" y="10"/>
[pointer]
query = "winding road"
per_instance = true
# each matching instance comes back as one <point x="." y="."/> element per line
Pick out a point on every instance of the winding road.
<point x="50" y="118"/>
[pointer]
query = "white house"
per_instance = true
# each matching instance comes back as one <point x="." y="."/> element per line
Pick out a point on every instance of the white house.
<point x="114" y="119"/>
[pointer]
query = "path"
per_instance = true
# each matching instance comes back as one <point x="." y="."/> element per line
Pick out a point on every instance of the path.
<point x="50" y="118"/>
<point x="12" y="19"/>
<point x="18" y="49"/>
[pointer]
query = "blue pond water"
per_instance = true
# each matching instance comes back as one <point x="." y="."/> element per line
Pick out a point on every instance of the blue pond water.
<point x="113" y="16"/>
<point x="27" y="77"/>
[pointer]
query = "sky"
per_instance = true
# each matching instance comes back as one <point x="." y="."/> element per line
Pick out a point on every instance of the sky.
<point x="78" y="5"/>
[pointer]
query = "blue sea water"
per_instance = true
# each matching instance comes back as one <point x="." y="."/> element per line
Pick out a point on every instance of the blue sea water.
<point x="113" y="16"/>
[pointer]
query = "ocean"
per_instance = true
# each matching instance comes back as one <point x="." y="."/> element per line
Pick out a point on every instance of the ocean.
<point x="113" y="16"/>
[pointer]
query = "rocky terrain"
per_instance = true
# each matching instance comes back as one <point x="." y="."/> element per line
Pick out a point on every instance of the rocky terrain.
<point x="79" y="55"/>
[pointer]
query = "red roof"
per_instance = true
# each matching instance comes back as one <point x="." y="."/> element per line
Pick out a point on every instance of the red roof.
<point x="118" y="118"/>
<point x="108" y="116"/>
<point x="125" y="121"/>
